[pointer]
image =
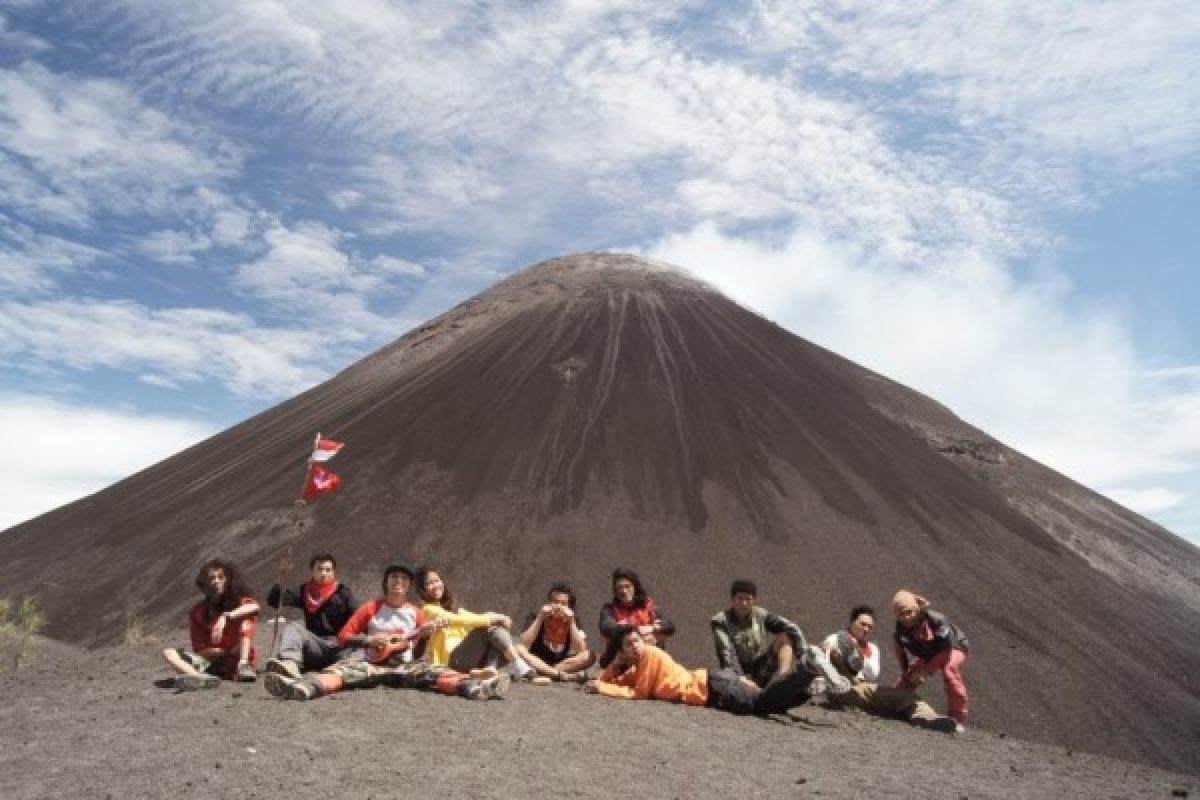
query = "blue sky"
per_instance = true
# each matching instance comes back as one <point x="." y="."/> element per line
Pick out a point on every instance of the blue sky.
<point x="206" y="207"/>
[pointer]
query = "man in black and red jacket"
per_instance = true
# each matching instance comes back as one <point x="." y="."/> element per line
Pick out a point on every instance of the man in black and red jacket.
<point x="327" y="606"/>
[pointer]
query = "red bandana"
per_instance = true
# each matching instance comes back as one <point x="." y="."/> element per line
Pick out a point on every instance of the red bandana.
<point x="635" y="615"/>
<point x="316" y="594"/>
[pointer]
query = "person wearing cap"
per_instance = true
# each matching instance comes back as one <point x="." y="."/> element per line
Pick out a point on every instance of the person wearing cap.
<point x="327" y="605"/>
<point x="756" y="644"/>
<point x="378" y="638"/>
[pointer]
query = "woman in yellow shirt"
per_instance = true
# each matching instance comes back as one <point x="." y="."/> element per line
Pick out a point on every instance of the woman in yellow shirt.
<point x="464" y="640"/>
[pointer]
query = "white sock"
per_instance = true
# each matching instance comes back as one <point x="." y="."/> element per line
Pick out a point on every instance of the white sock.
<point x="520" y="669"/>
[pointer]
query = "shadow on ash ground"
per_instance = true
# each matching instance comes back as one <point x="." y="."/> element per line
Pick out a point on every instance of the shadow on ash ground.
<point x="75" y="723"/>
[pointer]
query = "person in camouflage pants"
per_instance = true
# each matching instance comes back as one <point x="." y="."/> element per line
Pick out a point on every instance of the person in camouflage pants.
<point x="378" y="639"/>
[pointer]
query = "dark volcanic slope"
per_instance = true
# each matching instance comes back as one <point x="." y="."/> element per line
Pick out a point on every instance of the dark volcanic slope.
<point x="600" y="410"/>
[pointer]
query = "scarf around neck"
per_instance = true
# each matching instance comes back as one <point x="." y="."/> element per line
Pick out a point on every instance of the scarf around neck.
<point x="317" y="594"/>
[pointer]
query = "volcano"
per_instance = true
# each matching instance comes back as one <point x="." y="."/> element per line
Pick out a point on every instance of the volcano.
<point x="600" y="410"/>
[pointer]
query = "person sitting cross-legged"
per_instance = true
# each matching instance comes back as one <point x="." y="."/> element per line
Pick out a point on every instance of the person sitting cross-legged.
<point x="857" y="658"/>
<point x="552" y="643"/>
<point x="752" y="641"/>
<point x="465" y="640"/>
<point x="221" y="628"/>
<point x="379" y="639"/>
<point x="328" y="606"/>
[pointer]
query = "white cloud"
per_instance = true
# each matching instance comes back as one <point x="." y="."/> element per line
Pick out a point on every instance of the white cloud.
<point x="1147" y="501"/>
<point x="181" y="345"/>
<point x="30" y="262"/>
<point x="69" y="451"/>
<point x="1021" y="361"/>
<point x="70" y="148"/>
<point x="174" y="247"/>
<point x="1101" y="79"/>
<point x="306" y="272"/>
<point x="398" y="266"/>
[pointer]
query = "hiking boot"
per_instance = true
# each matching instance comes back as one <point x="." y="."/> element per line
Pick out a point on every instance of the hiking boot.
<point x="835" y="682"/>
<point x="283" y="666"/>
<point x="245" y="673"/>
<point x="493" y="688"/>
<point x="286" y="688"/>
<point x="939" y="724"/>
<point x="191" y="683"/>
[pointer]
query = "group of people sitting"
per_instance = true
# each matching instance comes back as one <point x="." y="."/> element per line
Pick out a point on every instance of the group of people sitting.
<point x="766" y="665"/>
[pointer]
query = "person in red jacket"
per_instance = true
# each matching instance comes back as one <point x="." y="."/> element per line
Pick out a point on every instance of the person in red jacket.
<point x="631" y="605"/>
<point x="221" y="628"/>
<point x="377" y="645"/>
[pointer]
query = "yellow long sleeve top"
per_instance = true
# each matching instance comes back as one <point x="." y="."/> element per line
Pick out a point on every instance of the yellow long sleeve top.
<point x="443" y="640"/>
<point x="656" y="676"/>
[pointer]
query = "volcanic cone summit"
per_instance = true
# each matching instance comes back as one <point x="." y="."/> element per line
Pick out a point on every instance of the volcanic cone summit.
<point x="602" y="410"/>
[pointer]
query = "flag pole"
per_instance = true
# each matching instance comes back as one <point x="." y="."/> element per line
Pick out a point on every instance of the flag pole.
<point x="298" y="527"/>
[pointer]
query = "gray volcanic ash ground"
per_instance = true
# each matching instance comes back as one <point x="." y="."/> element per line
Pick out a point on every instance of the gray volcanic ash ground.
<point x="77" y="724"/>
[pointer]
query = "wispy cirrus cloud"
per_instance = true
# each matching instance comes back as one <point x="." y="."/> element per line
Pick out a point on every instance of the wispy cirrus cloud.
<point x="180" y="345"/>
<point x="71" y="148"/>
<point x="1101" y="81"/>
<point x="32" y="262"/>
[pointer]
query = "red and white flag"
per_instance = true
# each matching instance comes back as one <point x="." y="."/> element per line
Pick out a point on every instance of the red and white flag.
<point x="320" y="481"/>
<point x="325" y="449"/>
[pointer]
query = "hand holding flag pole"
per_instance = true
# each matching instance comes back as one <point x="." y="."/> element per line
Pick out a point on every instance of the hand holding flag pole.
<point x="318" y="480"/>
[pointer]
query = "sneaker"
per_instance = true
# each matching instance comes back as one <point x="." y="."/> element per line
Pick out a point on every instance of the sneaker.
<point x="818" y="686"/>
<point x="835" y="682"/>
<point x="939" y="724"/>
<point x="573" y="677"/>
<point x="286" y="688"/>
<point x="191" y="683"/>
<point x="520" y="671"/>
<point x="493" y="688"/>
<point x="283" y="666"/>
<point x="246" y="674"/>
<point x="959" y="727"/>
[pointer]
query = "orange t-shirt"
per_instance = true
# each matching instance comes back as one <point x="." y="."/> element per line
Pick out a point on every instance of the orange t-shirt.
<point x="656" y="676"/>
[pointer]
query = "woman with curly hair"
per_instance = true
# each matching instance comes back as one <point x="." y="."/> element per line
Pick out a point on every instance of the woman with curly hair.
<point x="221" y="627"/>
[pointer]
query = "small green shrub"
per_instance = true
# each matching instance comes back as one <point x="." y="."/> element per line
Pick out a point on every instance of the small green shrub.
<point x="18" y="627"/>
